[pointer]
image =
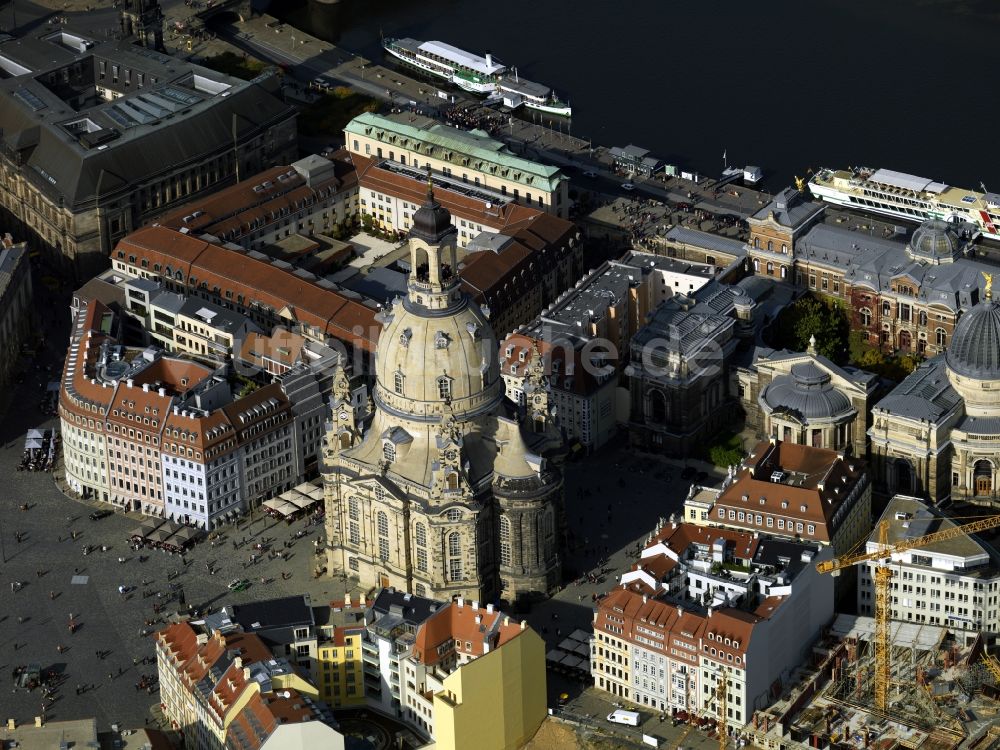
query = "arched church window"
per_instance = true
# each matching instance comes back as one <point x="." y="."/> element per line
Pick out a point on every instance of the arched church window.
<point x="382" y="521"/>
<point x="389" y="451"/>
<point x="397" y="382"/>
<point x="504" y="540"/>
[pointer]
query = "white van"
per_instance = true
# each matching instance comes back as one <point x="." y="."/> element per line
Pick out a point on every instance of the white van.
<point x="624" y="717"/>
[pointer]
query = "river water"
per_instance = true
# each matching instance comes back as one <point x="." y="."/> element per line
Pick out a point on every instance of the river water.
<point x="785" y="84"/>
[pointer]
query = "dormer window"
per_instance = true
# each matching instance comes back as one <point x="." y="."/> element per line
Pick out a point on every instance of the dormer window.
<point x="389" y="451"/>
<point x="444" y="388"/>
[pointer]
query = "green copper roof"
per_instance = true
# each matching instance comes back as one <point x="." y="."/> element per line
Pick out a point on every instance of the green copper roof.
<point x="483" y="154"/>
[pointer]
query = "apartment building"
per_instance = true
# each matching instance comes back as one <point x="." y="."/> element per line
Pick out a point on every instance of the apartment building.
<point x="792" y="490"/>
<point x="340" y="669"/>
<point x="185" y="325"/>
<point x="519" y="271"/>
<point x="473" y="157"/>
<point x="270" y="293"/>
<point x="460" y="674"/>
<point x="100" y="136"/>
<point x="225" y="690"/>
<point x="954" y="583"/>
<point x="171" y="437"/>
<point x="704" y="604"/>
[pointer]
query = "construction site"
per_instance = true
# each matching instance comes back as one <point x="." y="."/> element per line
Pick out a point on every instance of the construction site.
<point x="942" y="694"/>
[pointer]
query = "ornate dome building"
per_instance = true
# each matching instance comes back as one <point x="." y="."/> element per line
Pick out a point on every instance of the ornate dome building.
<point x="441" y="495"/>
<point x="803" y="397"/>
<point x="936" y="433"/>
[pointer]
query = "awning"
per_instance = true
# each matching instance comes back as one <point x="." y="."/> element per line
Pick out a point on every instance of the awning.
<point x="161" y="534"/>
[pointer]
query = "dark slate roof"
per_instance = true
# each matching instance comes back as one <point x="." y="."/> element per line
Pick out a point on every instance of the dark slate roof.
<point x="980" y="426"/>
<point x="974" y="350"/>
<point x="790" y="209"/>
<point x="174" y="122"/>
<point x="925" y="393"/>
<point x="409" y="608"/>
<point x="432" y="221"/>
<point x="270" y="614"/>
<point x="707" y="241"/>
<point x="807" y="393"/>
<point x="873" y="262"/>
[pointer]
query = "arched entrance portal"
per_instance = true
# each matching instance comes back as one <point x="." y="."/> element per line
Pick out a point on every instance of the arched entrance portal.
<point x="656" y="407"/>
<point x="983" y="478"/>
<point x="904" y="477"/>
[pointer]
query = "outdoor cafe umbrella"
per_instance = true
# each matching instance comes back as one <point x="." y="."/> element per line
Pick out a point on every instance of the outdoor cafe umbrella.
<point x="161" y="534"/>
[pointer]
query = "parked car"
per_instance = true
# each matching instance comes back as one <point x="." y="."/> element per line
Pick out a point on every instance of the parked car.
<point x="239" y="584"/>
<point x="97" y="515"/>
<point x="628" y="186"/>
<point x="590" y="173"/>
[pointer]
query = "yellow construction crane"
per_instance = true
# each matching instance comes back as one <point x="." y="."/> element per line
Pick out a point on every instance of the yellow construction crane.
<point x="993" y="665"/>
<point x="883" y="575"/>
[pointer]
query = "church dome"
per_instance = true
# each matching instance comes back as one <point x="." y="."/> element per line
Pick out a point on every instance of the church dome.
<point x="807" y="393"/>
<point x="425" y="360"/>
<point x="935" y="241"/>
<point x="974" y="351"/>
<point x="437" y="353"/>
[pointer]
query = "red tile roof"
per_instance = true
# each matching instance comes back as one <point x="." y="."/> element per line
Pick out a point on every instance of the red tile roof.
<point x="214" y="265"/>
<point x="817" y="482"/>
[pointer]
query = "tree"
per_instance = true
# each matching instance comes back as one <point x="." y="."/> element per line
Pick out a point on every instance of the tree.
<point x="811" y="316"/>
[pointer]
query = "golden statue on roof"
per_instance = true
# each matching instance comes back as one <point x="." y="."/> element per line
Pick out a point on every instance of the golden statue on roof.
<point x="989" y="284"/>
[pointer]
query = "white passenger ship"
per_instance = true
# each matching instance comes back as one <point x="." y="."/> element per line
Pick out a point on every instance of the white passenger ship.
<point x="477" y="75"/>
<point x="905" y="196"/>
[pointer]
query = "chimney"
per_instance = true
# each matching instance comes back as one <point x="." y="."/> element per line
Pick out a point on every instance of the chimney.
<point x="506" y="621"/>
<point x="680" y="611"/>
<point x="475" y="605"/>
<point x="461" y="602"/>
<point x="524" y="624"/>
<point x="129" y="382"/>
<point x="162" y="391"/>
<point x="145" y="387"/>
<point x="489" y="60"/>
<point x="645" y="598"/>
<point x="479" y="619"/>
<point x="38" y="722"/>
<point x="489" y="609"/>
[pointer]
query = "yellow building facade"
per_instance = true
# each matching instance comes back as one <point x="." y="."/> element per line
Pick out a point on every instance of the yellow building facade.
<point x="339" y="671"/>
<point x="495" y="702"/>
